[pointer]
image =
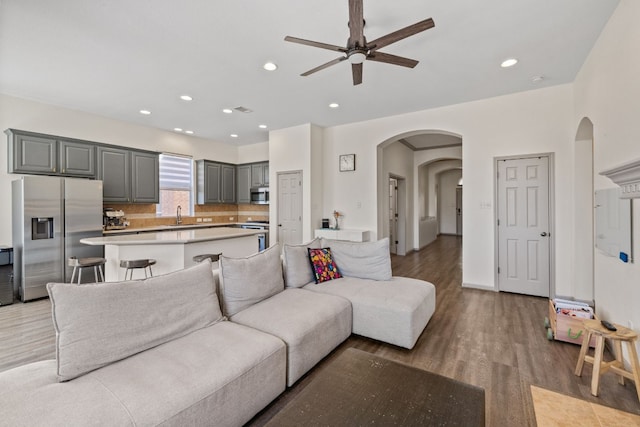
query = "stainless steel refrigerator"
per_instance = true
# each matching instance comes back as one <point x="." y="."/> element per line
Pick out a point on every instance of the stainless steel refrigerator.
<point x="50" y="215"/>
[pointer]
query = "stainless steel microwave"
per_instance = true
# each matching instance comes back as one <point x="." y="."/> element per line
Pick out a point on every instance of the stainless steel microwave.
<point x="260" y="195"/>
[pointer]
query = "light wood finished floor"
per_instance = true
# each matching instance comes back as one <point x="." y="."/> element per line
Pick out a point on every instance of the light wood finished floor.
<point x="493" y="340"/>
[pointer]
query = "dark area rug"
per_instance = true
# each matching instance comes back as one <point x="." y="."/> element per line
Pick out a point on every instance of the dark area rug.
<point x="359" y="388"/>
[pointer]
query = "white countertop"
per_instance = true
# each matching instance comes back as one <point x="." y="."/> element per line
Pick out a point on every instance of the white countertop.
<point x="173" y="236"/>
<point x="179" y="227"/>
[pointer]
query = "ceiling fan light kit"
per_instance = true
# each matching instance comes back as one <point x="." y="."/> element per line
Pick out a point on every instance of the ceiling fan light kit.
<point x="358" y="49"/>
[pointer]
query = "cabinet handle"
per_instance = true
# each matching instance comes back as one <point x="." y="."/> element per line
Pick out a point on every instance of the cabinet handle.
<point x="54" y="169"/>
<point x="63" y="170"/>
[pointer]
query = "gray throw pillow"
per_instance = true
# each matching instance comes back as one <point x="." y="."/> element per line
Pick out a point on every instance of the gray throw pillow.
<point x="247" y="281"/>
<point x="100" y="324"/>
<point x="366" y="260"/>
<point x="297" y="269"/>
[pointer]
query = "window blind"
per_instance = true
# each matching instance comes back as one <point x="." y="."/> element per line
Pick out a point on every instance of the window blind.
<point x="175" y="172"/>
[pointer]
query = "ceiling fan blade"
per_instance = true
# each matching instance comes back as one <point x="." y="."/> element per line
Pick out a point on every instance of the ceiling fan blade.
<point x="356" y="23"/>
<point x="323" y="66"/>
<point x="356" y="70"/>
<point x="392" y="59"/>
<point x="401" y="34"/>
<point x="315" y="44"/>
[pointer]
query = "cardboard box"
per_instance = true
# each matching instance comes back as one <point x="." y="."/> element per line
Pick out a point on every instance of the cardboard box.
<point x="568" y="328"/>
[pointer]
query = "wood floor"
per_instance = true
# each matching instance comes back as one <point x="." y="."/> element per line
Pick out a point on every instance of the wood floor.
<point x="492" y="340"/>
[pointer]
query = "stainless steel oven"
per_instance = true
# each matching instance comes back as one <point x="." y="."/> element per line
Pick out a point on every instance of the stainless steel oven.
<point x="260" y="195"/>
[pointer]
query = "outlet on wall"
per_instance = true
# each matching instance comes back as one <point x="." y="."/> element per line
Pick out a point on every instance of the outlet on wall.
<point x="198" y="219"/>
<point x="230" y="218"/>
<point x="630" y="324"/>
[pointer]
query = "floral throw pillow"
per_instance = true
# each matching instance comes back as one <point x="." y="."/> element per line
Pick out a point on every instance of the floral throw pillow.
<point x="324" y="268"/>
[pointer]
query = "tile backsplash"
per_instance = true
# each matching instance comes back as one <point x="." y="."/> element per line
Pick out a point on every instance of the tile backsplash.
<point x="144" y="215"/>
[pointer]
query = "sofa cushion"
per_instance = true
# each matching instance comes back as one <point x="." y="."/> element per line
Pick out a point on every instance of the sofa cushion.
<point x="324" y="268"/>
<point x="100" y="324"/>
<point x="366" y="260"/>
<point x="311" y="325"/>
<point x="297" y="271"/>
<point x="247" y="281"/>
<point x="394" y="311"/>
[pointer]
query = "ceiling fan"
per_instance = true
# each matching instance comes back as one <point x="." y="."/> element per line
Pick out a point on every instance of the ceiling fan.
<point x="358" y="49"/>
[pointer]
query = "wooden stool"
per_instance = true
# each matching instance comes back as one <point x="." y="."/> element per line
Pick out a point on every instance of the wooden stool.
<point x="132" y="264"/>
<point x="79" y="263"/>
<point x="594" y="327"/>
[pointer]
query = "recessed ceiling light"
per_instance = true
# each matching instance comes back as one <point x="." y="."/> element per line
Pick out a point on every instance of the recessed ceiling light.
<point x="262" y="126"/>
<point x="334" y="105"/>
<point x="145" y="112"/>
<point x="509" y="62"/>
<point x="190" y="132"/>
<point x="178" y="129"/>
<point x="270" y="66"/>
<point x="186" y="98"/>
<point x="233" y="135"/>
<point x="227" y="111"/>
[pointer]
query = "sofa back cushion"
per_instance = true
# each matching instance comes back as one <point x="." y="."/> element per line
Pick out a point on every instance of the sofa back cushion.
<point x="100" y="324"/>
<point x="367" y="260"/>
<point x="247" y="281"/>
<point x="297" y="270"/>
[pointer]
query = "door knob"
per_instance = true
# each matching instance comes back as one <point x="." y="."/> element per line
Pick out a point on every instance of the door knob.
<point x="543" y="234"/>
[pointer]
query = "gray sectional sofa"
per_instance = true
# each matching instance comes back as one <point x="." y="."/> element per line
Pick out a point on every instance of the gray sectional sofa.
<point x="182" y="349"/>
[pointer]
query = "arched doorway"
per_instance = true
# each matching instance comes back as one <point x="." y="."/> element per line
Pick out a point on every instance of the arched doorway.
<point x="415" y="157"/>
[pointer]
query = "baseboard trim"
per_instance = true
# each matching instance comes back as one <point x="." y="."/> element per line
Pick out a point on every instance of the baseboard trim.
<point x="480" y="287"/>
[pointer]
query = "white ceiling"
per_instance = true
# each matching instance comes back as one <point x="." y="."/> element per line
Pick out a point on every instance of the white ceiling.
<point x="115" y="57"/>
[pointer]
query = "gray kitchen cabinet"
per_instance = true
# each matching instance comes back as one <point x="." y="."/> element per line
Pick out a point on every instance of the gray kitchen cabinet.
<point x="260" y="174"/>
<point x="128" y="176"/>
<point x="145" y="177"/>
<point x="77" y="158"/>
<point x="114" y="166"/>
<point x="243" y="182"/>
<point x="32" y="153"/>
<point x="216" y="182"/>
<point x="228" y="175"/>
<point x="40" y="154"/>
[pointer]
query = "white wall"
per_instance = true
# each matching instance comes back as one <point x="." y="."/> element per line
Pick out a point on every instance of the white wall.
<point x="253" y="153"/>
<point x="607" y="91"/>
<point x="447" y="184"/>
<point x="33" y="116"/>
<point x="527" y="122"/>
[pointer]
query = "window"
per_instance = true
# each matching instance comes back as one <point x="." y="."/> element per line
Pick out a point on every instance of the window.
<point x="175" y="185"/>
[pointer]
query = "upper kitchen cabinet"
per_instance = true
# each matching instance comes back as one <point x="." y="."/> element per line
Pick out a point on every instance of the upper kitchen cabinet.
<point x="128" y="176"/>
<point x="243" y="184"/>
<point x="33" y="153"/>
<point x="260" y="174"/>
<point x="216" y="182"/>
<point x="145" y="177"/>
<point x="77" y="158"/>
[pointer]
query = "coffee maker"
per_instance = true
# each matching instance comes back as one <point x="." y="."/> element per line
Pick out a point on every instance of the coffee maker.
<point x="113" y="219"/>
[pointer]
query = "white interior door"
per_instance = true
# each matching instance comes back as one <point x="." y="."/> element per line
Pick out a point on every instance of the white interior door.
<point x="290" y="208"/>
<point x="523" y="226"/>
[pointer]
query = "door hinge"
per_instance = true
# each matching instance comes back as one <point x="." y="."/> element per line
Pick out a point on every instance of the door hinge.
<point x="498" y="222"/>
<point x="397" y="242"/>
<point x="498" y="270"/>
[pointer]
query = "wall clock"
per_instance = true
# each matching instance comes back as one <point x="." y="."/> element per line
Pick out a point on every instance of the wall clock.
<point x="347" y="162"/>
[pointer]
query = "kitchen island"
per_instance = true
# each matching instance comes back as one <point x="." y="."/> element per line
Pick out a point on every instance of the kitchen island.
<point x="173" y="250"/>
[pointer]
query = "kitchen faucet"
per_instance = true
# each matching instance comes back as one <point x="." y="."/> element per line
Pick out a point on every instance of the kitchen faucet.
<point x="179" y="215"/>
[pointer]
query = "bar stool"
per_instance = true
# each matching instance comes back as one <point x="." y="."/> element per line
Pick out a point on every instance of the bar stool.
<point x="594" y="327"/>
<point x="79" y="263"/>
<point x="212" y="257"/>
<point x="132" y="264"/>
